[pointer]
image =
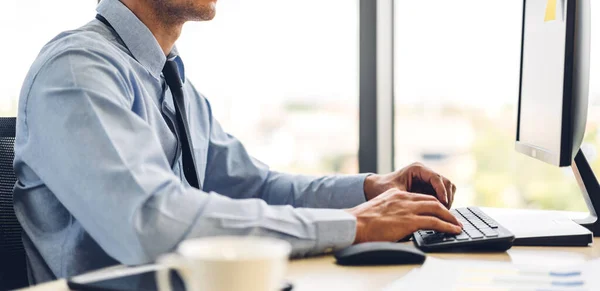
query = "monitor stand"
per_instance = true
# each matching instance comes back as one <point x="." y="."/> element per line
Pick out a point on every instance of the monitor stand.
<point x="591" y="192"/>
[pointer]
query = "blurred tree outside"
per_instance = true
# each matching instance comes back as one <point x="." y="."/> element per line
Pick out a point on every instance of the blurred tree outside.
<point x="486" y="168"/>
<point x="501" y="171"/>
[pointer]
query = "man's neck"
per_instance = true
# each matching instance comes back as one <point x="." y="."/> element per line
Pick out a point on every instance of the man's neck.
<point x="166" y="33"/>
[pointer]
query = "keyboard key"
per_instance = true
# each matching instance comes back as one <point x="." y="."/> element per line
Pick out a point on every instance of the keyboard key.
<point x="475" y="210"/>
<point x="462" y="236"/>
<point x="477" y="236"/>
<point x="474" y="234"/>
<point x="476" y="226"/>
<point x="489" y="232"/>
<point x="480" y="224"/>
<point x="485" y="228"/>
<point x="493" y="225"/>
<point x="464" y="211"/>
<point x="434" y="238"/>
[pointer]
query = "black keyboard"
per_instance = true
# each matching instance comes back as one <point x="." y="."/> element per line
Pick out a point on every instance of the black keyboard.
<point x="480" y="233"/>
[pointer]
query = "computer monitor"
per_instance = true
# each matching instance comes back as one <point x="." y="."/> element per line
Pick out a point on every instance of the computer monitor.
<point x="554" y="86"/>
<point x="553" y="92"/>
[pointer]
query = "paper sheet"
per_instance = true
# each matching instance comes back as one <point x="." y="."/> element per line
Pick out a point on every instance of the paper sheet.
<point x="526" y="223"/>
<point x="555" y="9"/>
<point x="405" y="283"/>
<point x="550" y="11"/>
<point x="495" y="276"/>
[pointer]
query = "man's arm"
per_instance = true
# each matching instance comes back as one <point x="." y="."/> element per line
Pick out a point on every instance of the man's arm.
<point x="232" y="171"/>
<point x="389" y="215"/>
<point x="107" y="167"/>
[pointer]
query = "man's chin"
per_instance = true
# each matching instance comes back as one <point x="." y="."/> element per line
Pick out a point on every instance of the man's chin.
<point x="207" y="13"/>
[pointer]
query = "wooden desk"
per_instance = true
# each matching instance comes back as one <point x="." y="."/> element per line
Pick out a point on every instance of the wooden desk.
<point x="323" y="274"/>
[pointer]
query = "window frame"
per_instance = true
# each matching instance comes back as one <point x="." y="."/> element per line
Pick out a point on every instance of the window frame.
<point x="376" y="97"/>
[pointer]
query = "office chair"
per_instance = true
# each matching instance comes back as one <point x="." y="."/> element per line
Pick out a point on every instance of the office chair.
<point x="13" y="270"/>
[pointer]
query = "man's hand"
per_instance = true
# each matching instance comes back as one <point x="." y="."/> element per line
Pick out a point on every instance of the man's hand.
<point x="396" y="214"/>
<point x="415" y="178"/>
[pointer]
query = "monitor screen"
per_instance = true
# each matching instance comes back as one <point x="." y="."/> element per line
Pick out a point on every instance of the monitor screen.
<point x="543" y="73"/>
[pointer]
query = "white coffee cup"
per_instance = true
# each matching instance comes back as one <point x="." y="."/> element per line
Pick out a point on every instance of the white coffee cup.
<point x="227" y="264"/>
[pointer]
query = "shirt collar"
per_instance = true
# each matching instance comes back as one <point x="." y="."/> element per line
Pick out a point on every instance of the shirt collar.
<point x="174" y="56"/>
<point x="137" y="37"/>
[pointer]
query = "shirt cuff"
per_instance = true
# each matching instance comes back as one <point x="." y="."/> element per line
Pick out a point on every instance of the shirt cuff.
<point x="335" y="229"/>
<point x="349" y="191"/>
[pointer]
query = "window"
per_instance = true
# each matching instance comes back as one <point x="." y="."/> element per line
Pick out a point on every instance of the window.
<point x="25" y="26"/>
<point x="282" y="76"/>
<point x="456" y="92"/>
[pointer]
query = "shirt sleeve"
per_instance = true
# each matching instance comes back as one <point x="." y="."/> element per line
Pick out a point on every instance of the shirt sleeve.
<point x="106" y="166"/>
<point x="233" y="172"/>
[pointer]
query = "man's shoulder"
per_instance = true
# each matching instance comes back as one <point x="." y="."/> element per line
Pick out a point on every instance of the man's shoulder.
<point x="90" y="42"/>
<point x="77" y="56"/>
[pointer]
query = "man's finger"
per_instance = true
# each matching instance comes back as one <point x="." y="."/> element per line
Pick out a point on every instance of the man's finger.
<point x="449" y="189"/>
<point x="427" y="175"/>
<point x="422" y="197"/>
<point x="453" y="191"/>
<point x="423" y="173"/>
<point x="433" y="223"/>
<point x="436" y="209"/>
<point x="435" y="180"/>
<point x="437" y="183"/>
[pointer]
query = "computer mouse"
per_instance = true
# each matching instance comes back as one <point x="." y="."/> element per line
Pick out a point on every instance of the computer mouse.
<point x="379" y="253"/>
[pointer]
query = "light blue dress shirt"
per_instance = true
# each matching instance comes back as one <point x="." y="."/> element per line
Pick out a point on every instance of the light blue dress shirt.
<point x="99" y="169"/>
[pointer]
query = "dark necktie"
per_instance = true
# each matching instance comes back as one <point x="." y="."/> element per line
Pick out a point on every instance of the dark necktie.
<point x="171" y="73"/>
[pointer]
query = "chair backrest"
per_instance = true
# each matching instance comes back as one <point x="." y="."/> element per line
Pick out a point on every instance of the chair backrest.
<point x="13" y="270"/>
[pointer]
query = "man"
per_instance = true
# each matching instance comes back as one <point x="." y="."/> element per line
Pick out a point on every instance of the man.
<point x="102" y="180"/>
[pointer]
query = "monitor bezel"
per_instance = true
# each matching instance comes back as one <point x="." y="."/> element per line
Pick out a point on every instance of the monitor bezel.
<point x="564" y="157"/>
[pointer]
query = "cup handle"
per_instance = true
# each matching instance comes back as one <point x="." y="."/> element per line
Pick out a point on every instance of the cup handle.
<point x="171" y="262"/>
